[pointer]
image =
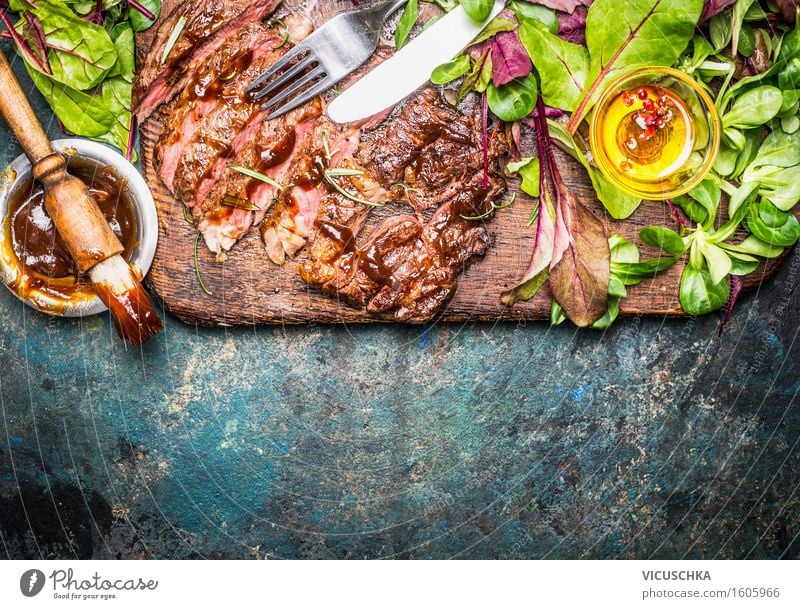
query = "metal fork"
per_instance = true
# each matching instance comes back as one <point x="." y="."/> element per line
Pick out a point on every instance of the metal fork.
<point x="324" y="58"/>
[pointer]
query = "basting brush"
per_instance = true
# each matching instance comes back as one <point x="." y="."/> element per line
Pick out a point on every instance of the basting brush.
<point x="94" y="247"/>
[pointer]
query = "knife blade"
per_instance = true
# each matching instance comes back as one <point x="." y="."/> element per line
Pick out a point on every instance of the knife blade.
<point x="409" y="68"/>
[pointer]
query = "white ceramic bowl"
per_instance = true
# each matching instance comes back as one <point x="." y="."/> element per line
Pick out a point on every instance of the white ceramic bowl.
<point x="143" y="207"/>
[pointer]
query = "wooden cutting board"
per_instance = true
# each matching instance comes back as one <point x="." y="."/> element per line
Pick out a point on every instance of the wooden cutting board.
<point x="247" y="289"/>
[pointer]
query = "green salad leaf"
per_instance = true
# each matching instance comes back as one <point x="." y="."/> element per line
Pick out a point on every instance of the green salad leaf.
<point x="86" y="75"/>
<point x="563" y="67"/>
<point x="81" y="53"/>
<point x="513" y="101"/>
<point x="406" y="23"/>
<point x="477" y="9"/>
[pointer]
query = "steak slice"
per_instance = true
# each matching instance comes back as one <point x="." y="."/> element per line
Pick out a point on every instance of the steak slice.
<point x="292" y="220"/>
<point x="406" y="268"/>
<point x="208" y="25"/>
<point x="427" y="276"/>
<point x="229" y="126"/>
<point x="428" y="147"/>
<point x="200" y="96"/>
<point x="269" y="152"/>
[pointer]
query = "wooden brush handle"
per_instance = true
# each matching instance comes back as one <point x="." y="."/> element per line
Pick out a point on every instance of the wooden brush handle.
<point x="19" y="115"/>
<point x="74" y="212"/>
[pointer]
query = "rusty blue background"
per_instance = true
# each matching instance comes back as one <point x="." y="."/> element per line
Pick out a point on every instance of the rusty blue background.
<point x="654" y="439"/>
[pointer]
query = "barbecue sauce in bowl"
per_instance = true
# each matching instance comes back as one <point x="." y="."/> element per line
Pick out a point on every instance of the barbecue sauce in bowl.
<point x="39" y="252"/>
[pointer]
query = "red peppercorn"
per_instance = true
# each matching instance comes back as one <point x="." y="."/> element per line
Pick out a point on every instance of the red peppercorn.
<point x="660" y="122"/>
<point x="662" y="101"/>
<point x="649" y="120"/>
<point x="648" y="105"/>
<point x="626" y="97"/>
<point x="641" y="94"/>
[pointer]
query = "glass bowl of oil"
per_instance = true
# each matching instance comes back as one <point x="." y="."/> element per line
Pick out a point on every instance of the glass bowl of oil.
<point x="655" y="133"/>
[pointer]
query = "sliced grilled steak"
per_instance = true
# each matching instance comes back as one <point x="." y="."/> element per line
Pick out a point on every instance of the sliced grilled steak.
<point x="228" y="124"/>
<point x="291" y="223"/>
<point x="213" y="124"/>
<point x="425" y="155"/>
<point x="269" y="152"/>
<point x="201" y="95"/>
<point x="406" y="267"/>
<point x="209" y="24"/>
<point x="409" y="268"/>
<point x="426" y="277"/>
<point x="429" y="147"/>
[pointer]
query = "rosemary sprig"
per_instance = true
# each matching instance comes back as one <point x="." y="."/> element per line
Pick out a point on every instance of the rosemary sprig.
<point x="492" y="208"/>
<point x="330" y="176"/>
<point x="197" y="266"/>
<point x="177" y="30"/>
<point x="282" y="24"/>
<point x="251" y="173"/>
<point x="231" y="201"/>
<point x="406" y="188"/>
<point x="534" y="214"/>
<point x="325" y="146"/>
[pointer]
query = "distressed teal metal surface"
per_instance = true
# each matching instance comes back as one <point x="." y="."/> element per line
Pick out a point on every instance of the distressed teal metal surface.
<point x="655" y="439"/>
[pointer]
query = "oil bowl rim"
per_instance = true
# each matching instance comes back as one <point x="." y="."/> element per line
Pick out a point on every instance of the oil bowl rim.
<point x="144" y="209"/>
<point x="715" y="129"/>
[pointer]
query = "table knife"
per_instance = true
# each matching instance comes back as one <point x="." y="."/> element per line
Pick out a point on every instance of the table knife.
<point x="410" y="67"/>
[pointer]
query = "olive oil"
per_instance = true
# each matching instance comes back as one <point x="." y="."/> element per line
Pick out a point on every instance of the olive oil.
<point x="647" y="134"/>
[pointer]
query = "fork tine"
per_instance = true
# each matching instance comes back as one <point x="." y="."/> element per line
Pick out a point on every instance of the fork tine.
<point x="301" y="99"/>
<point x="296" y="87"/>
<point x="278" y="65"/>
<point x="285" y="77"/>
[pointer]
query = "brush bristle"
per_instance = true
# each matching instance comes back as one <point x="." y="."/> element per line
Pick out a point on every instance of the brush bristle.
<point x="126" y="299"/>
<point x="134" y="316"/>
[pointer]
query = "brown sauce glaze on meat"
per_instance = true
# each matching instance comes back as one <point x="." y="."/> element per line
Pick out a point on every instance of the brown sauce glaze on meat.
<point x="278" y="153"/>
<point x="209" y="25"/>
<point x="407" y="268"/>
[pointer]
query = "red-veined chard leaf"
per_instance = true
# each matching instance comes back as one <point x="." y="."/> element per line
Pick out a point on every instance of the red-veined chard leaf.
<point x="579" y="270"/>
<point x="572" y="27"/>
<point x="563" y="66"/>
<point x="33" y="33"/>
<point x="538" y="268"/>
<point x="81" y="53"/>
<point x="81" y="113"/>
<point x="116" y="91"/>
<point x="624" y="35"/>
<point x="573" y="251"/>
<point x="509" y="59"/>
